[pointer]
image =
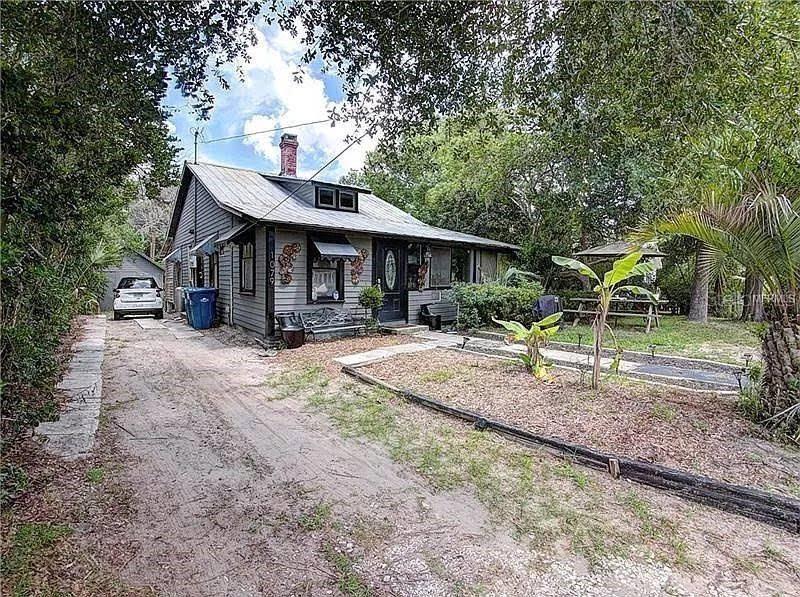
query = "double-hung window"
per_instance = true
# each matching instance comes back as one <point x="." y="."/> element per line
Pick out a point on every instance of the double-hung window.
<point x="247" y="267"/>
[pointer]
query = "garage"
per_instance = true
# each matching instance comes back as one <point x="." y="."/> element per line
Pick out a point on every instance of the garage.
<point x="134" y="264"/>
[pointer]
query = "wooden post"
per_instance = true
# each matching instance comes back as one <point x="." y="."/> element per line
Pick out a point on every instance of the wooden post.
<point x="613" y="467"/>
<point x="578" y="315"/>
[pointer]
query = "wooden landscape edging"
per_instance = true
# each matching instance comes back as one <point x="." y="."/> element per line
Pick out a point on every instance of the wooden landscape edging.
<point x="777" y="510"/>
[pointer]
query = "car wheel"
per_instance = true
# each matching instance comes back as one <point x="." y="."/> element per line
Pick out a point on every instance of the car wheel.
<point x="117" y="316"/>
<point x="159" y="314"/>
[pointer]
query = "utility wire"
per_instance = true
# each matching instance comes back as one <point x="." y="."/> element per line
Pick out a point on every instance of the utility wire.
<point x="280" y="128"/>
<point x="313" y="176"/>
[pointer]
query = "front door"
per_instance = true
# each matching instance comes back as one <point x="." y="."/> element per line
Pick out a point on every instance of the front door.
<point x="390" y="276"/>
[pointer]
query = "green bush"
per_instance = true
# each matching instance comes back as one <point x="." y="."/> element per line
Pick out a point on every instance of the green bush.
<point x="371" y="298"/>
<point x="479" y="303"/>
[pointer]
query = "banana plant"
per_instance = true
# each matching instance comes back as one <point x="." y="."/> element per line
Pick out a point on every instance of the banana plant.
<point x="609" y="287"/>
<point x="534" y="338"/>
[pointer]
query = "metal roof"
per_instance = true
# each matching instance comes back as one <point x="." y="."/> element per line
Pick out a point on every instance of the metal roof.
<point x="617" y="249"/>
<point x="263" y="197"/>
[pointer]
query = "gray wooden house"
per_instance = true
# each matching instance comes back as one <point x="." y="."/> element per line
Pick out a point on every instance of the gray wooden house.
<point x="275" y="243"/>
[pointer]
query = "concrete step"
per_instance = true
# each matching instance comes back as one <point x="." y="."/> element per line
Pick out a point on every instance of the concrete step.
<point x="408" y="329"/>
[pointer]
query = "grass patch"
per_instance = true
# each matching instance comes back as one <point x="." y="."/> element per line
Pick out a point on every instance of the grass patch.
<point x="660" y="530"/>
<point x="664" y="412"/>
<point x="13" y="482"/>
<point x="719" y="339"/>
<point x="295" y="381"/>
<point x="95" y="475"/>
<point x="577" y="476"/>
<point x="517" y="487"/>
<point x="32" y="543"/>
<point x="347" y="579"/>
<point x="316" y="519"/>
<point x="440" y="376"/>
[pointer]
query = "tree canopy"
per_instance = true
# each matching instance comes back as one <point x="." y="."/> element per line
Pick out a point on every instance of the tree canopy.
<point x="81" y="100"/>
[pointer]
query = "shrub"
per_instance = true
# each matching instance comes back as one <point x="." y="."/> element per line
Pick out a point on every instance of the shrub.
<point x="479" y="303"/>
<point x="371" y="298"/>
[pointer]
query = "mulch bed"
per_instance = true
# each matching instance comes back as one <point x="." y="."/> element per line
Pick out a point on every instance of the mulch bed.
<point x="324" y="351"/>
<point x="697" y="432"/>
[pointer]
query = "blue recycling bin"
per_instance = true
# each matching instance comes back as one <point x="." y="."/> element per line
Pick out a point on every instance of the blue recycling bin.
<point x="201" y="307"/>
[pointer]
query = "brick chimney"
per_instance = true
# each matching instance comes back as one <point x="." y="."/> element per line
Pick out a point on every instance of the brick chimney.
<point x="288" y="154"/>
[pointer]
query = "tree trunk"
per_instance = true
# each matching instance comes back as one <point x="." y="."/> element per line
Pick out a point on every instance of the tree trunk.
<point x="753" y="298"/>
<point x="781" y="377"/>
<point x="599" y="330"/>
<point x="698" y="302"/>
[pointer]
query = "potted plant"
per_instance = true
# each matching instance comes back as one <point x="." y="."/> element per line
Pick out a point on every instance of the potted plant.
<point x="371" y="299"/>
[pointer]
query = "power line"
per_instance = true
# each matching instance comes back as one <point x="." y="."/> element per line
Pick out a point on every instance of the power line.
<point x="280" y="128"/>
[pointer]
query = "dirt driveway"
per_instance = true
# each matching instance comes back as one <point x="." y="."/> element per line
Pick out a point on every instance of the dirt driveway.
<point x="240" y="487"/>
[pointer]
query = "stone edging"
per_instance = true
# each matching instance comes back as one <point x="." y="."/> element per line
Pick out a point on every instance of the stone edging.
<point x="72" y="435"/>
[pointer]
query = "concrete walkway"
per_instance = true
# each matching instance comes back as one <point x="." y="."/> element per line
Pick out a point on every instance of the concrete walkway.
<point x="379" y="354"/>
<point x="672" y="375"/>
<point x="72" y="436"/>
<point x="179" y="328"/>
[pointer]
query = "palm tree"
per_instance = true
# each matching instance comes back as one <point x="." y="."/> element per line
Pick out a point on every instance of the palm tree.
<point x="761" y="231"/>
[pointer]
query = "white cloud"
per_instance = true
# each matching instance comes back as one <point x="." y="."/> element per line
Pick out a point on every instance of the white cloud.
<point x="271" y="96"/>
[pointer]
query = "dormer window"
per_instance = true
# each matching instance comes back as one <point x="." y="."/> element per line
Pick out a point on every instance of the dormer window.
<point x="340" y="199"/>
<point x="347" y="200"/>
<point x="326" y="198"/>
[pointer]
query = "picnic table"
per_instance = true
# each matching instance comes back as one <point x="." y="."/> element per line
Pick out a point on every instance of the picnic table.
<point x="620" y="307"/>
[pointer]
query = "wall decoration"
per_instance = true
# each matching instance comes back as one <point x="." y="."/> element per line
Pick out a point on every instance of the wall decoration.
<point x="422" y="274"/>
<point x="286" y="262"/>
<point x="357" y="266"/>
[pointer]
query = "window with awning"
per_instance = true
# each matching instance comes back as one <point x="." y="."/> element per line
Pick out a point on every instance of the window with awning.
<point x="326" y="268"/>
<point x="338" y="248"/>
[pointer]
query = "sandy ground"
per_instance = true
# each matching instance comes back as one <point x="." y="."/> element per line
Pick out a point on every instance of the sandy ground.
<point x="699" y="432"/>
<point x="232" y="492"/>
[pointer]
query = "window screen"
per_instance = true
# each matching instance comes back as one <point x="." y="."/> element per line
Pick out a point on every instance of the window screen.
<point x="440" y="267"/>
<point x="247" y="267"/>
<point x="347" y="200"/>
<point x="326" y="197"/>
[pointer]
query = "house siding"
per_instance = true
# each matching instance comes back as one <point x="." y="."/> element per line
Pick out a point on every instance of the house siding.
<point x="293" y="297"/>
<point x="250" y="310"/>
<point x="211" y="219"/>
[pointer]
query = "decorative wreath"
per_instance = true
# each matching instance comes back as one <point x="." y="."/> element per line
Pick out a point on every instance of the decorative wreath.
<point x="422" y="273"/>
<point x="357" y="266"/>
<point x="286" y="262"/>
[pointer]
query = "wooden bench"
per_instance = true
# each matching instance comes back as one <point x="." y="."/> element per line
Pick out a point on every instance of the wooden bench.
<point x="435" y="314"/>
<point x="330" y="321"/>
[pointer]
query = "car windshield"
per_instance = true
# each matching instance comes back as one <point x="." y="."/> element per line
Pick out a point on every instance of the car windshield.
<point x="137" y="283"/>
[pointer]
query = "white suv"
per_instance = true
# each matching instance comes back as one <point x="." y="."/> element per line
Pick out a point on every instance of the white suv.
<point x="138" y="296"/>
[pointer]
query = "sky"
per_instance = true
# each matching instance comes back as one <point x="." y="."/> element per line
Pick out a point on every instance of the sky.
<point x="266" y="98"/>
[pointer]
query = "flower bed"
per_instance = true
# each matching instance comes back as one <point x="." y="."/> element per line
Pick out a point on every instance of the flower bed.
<point x="700" y="433"/>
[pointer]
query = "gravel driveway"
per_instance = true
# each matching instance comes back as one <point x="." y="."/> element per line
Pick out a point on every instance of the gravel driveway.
<point x="236" y="493"/>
